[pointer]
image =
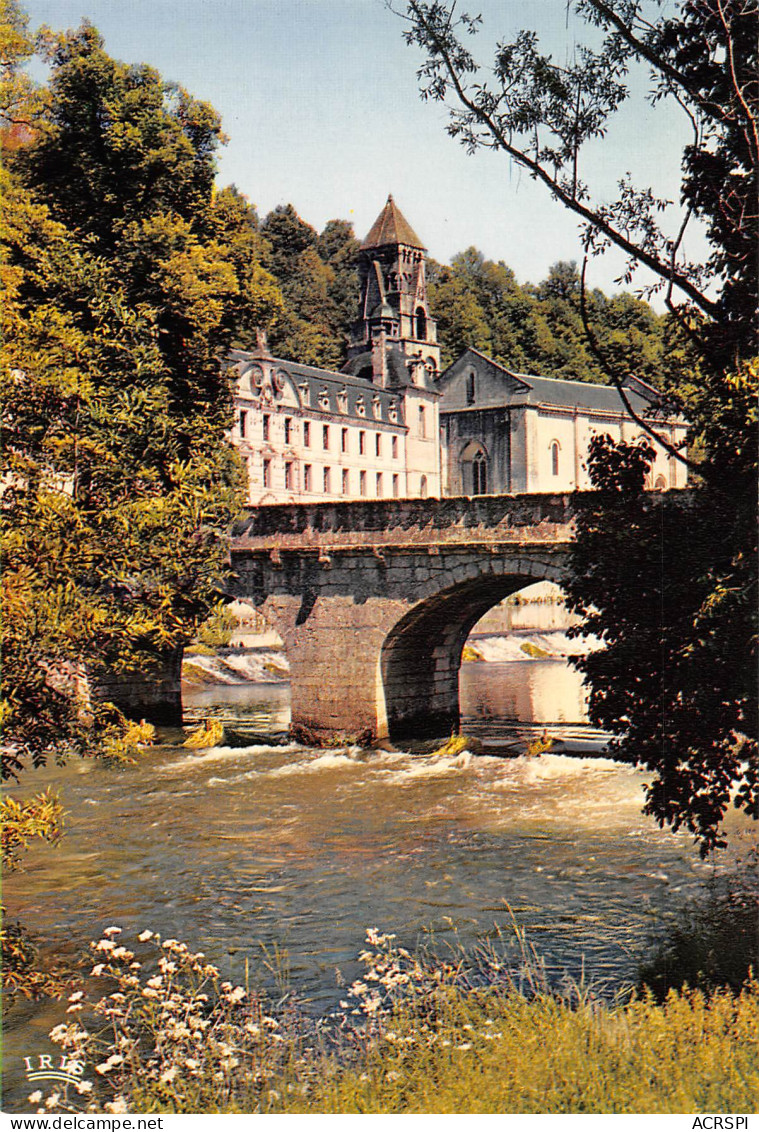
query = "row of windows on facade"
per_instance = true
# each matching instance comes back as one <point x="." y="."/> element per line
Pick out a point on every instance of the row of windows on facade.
<point x="479" y="471"/>
<point x="309" y="480"/>
<point x="290" y="428"/>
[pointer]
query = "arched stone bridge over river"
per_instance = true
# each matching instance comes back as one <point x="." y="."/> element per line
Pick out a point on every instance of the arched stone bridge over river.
<point x="375" y="599"/>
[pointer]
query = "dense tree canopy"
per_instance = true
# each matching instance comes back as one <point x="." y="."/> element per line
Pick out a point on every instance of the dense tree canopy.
<point x="125" y="276"/>
<point x="671" y="592"/>
<point x="539" y="328"/>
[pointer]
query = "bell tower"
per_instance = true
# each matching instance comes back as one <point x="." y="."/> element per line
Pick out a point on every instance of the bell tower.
<point x="393" y="300"/>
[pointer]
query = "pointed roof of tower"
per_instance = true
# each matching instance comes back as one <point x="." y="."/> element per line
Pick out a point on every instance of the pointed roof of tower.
<point x="391" y="227"/>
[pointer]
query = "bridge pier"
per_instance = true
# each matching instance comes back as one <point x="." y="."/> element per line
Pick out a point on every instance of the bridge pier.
<point x="153" y="693"/>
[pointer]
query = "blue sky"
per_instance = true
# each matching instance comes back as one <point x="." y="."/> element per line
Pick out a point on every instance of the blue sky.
<point x="320" y="102"/>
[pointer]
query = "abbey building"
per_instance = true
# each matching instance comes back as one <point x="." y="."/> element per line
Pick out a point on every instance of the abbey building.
<point x="390" y="425"/>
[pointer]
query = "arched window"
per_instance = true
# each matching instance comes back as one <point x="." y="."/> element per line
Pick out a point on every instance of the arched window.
<point x="660" y="484"/>
<point x="480" y="474"/>
<point x="554" y="457"/>
<point x="474" y="469"/>
<point x="421" y="323"/>
<point x="423" y="487"/>
<point x="470" y="388"/>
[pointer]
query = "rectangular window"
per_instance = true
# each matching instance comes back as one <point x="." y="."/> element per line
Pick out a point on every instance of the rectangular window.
<point x="288" y="430"/>
<point x="307" y="434"/>
<point x="344" y="440"/>
<point x="265" y="424"/>
<point x="267" y="473"/>
<point x="361" y="443"/>
<point x="289" y="476"/>
<point x="394" y="447"/>
<point x="327" y="479"/>
<point x="325" y="437"/>
<point x="379" y="484"/>
<point x="378" y="444"/>
<point x="346" y="482"/>
<point x="422" y="421"/>
<point x="243" y="424"/>
<point x="396" y="490"/>
<point x="362" y="483"/>
<point x="306" y="477"/>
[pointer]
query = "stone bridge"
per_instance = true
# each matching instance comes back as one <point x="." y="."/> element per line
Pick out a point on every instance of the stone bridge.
<point x="375" y="599"/>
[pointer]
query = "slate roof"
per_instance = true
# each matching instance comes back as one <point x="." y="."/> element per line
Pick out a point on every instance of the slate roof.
<point x="324" y="386"/>
<point x="391" y="227"/>
<point x="535" y="390"/>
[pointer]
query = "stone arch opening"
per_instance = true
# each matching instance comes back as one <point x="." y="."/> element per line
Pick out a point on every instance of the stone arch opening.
<point x="514" y="665"/>
<point x="421" y="323"/>
<point x="242" y="666"/>
<point x="418" y="677"/>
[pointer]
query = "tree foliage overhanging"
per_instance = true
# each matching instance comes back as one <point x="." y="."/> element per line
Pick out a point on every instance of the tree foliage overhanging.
<point x="125" y="276"/>
<point x="670" y="589"/>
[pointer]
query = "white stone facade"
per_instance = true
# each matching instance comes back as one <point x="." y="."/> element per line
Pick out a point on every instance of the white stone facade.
<point x="313" y="435"/>
<point x="390" y="426"/>
<point x="505" y="432"/>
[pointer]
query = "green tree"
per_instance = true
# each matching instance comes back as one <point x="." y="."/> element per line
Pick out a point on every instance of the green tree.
<point x="686" y="650"/>
<point x="125" y="277"/>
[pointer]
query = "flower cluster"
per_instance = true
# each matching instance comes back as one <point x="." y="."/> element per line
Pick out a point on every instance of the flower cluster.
<point x="167" y="1030"/>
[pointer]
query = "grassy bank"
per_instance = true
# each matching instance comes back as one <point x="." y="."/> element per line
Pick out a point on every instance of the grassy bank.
<point x="413" y="1035"/>
<point x="504" y="1054"/>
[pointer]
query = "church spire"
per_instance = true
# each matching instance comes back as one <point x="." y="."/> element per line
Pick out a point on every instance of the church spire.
<point x="391" y="227"/>
<point x="391" y="267"/>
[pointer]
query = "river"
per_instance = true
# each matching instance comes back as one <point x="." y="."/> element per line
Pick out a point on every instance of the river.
<point x="229" y="848"/>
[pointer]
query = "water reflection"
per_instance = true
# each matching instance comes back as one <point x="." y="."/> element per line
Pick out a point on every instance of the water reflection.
<point x="537" y="691"/>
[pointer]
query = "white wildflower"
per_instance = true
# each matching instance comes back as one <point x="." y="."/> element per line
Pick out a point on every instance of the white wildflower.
<point x="118" y="1104"/>
<point x="168" y="1075"/>
<point x="98" y="969"/>
<point x="76" y="996"/>
<point x="112" y="931"/>
<point x="109" y="1064"/>
<point x="35" y="1097"/>
<point x="84" y="1087"/>
<point x="145" y="936"/>
<point x="464" y="1046"/>
<point x="52" y="1100"/>
<point x="372" y="1003"/>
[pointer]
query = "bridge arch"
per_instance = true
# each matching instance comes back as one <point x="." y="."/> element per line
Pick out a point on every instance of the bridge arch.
<point x="420" y="658"/>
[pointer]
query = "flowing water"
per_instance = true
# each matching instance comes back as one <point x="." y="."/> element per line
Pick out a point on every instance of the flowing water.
<point x="303" y="848"/>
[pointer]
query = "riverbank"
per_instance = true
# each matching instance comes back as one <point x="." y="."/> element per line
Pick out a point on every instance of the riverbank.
<point x="413" y="1035"/>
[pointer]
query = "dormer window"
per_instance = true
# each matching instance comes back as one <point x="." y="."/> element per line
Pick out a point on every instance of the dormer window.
<point x="360" y="407"/>
<point x="342" y="400"/>
<point x="376" y="407"/>
<point x="324" y="400"/>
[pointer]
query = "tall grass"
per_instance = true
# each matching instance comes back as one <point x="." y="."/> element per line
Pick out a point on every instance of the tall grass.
<point x="415" y="1034"/>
